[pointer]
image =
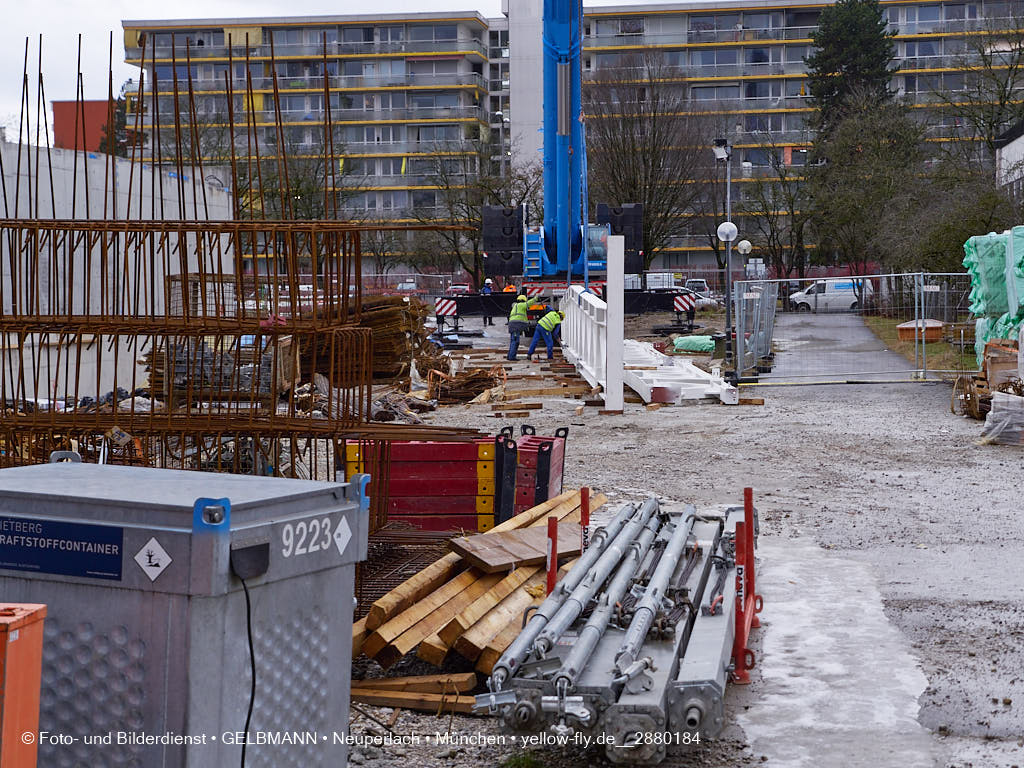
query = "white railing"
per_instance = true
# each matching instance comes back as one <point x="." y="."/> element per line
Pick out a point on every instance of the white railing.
<point x="585" y="334"/>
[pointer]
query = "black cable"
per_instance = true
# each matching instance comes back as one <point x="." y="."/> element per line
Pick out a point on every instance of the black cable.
<point x="252" y="666"/>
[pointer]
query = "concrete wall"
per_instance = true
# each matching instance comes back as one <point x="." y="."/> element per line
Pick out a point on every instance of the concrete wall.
<point x="526" y="77"/>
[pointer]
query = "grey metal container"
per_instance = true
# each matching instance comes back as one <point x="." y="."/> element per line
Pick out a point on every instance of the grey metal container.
<point x="146" y="630"/>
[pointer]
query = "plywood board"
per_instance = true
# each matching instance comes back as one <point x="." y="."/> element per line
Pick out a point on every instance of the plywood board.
<point x="492" y="553"/>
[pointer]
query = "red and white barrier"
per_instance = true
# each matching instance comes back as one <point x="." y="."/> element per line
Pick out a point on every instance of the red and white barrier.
<point x="444" y="307"/>
<point x="683" y="303"/>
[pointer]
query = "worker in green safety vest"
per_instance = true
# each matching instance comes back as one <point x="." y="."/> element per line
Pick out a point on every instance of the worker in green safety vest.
<point x="548" y="328"/>
<point x="518" y="324"/>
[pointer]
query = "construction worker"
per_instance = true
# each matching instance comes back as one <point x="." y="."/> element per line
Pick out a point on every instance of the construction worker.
<point x="548" y="328"/>
<point x="487" y="290"/>
<point x="510" y="288"/>
<point x="517" y="324"/>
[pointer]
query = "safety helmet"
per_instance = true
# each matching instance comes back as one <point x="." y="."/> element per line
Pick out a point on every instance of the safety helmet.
<point x="488" y="281"/>
<point x="520" y="297"/>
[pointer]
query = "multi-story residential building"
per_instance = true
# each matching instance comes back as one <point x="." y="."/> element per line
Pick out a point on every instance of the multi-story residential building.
<point x="405" y="92"/>
<point x="407" y="89"/>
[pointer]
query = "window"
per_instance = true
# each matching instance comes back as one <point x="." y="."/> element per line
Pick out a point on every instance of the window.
<point x="286" y="37"/>
<point x="795" y="54"/>
<point x="762" y="89"/>
<point x="392" y="100"/>
<point x="391" y="34"/>
<point x="391" y="166"/>
<point x="797" y="88"/>
<point x="424" y="198"/>
<point x="711" y="57"/>
<point x="961" y="12"/>
<point x="357" y="34"/>
<point x="756" y="56"/>
<point x="762" y="123"/>
<point x="953" y="81"/>
<point x="916" y="48"/>
<point x="446" y="32"/>
<point x="632" y="26"/>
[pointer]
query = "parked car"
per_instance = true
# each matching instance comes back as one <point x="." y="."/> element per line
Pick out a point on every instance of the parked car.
<point x="457" y="289"/>
<point x="841" y="294"/>
<point x="698" y="285"/>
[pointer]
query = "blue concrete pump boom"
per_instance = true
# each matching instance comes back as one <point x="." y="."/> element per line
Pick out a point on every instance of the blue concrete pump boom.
<point x="563" y="135"/>
<point x="559" y="247"/>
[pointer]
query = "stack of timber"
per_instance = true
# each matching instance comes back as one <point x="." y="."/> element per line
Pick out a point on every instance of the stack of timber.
<point x="452" y="606"/>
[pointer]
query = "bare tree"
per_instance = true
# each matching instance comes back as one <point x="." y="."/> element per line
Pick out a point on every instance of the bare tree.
<point x="463" y="182"/>
<point x="988" y="79"/>
<point x="644" y="141"/>
<point x="778" y="207"/>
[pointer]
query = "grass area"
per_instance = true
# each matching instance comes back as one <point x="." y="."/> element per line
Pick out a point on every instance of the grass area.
<point x="941" y="355"/>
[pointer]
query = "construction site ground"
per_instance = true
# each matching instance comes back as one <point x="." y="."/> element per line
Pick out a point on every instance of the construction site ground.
<point x="889" y="562"/>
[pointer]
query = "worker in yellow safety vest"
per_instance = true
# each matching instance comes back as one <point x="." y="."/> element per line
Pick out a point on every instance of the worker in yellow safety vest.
<point x="518" y="323"/>
<point x="548" y="328"/>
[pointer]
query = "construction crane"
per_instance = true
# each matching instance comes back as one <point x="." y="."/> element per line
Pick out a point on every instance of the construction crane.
<point x="565" y="245"/>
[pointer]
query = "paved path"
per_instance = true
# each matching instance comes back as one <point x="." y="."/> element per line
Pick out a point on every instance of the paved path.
<point x="839" y="685"/>
<point x="832" y="346"/>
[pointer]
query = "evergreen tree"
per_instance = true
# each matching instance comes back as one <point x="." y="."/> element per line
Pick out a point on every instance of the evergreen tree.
<point x="852" y="53"/>
<point x="118" y="143"/>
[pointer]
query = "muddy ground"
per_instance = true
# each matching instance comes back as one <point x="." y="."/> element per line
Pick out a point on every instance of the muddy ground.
<point x="879" y="478"/>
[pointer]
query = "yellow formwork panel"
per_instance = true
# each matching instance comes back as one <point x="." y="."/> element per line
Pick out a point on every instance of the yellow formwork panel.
<point x="484" y="522"/>
<point x="485" y="451"/>
<point x="352" y="452"/>
<point x="485" y="486"/>
<point x="353" y="468"/>
<point x="485" y="505"/>
<point x="485" y="470"/>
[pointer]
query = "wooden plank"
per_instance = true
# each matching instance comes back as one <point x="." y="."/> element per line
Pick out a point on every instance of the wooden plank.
<point x="434" y="619"/>
<point x="493" y="553"/>
<point x="476" y="611"/>
<point x="420" y="585"/>
<point x="457" y="682"/>
<point x="517" y="406"/>
<point x="435" y="703"/>
<point x="492" y="652"/>
<point x="510" y="415"/>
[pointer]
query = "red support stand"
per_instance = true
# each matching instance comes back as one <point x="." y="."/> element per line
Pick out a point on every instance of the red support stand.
<point x="552" y="553"/>
<point x="748" y="602"/>
<point x="584" y="519"/>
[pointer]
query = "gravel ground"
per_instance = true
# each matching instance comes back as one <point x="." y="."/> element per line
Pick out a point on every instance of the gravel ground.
<point x="882" y="474"/>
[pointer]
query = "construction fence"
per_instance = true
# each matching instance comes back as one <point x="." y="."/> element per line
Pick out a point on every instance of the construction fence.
<point x="882" y="327"/>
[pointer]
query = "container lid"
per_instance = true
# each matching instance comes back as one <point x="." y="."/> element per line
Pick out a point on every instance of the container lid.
<point x="15" y="615"/>
<point x="145" y="487"/>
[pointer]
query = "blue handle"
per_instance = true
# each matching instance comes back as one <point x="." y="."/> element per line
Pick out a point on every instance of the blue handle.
<point x="200" y="521"/>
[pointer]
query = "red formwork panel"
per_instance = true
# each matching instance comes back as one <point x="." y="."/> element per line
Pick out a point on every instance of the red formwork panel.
<point x="401" y="486"/>
<point x="426" y="472"/>
<point x="468" y="523"/>
<point x="432" y="505"/>
<point x="541" y="460"/>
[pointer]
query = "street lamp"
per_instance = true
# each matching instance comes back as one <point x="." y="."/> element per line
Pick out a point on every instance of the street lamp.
<point x="727" y="233"/>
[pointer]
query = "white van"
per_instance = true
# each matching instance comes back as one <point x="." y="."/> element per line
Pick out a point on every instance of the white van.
<point x="840" y="294"/>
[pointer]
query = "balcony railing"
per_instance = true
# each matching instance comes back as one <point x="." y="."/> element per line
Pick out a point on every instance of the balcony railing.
<point x="398" y="48"/>
<point x="369" y="115"/>
<point x="316" y="82"/>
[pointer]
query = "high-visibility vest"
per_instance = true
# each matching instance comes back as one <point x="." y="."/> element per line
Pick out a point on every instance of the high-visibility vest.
<point x="550" y="321"/>
<point x="518" y="313"/>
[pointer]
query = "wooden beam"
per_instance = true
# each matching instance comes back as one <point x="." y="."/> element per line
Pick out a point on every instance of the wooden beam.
<point x="458" y="682"/>
<point x="420" y="585"/>
<point x="433" y="650"/>
<point x="359" y="633"/>
<point x="435" y="703"/>
<point x="474" y="612"/>
<point x="433" y="619"/>
<point x="472" y="642"/>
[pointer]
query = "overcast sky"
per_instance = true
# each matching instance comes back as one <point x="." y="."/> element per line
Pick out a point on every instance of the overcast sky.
<point x="61" y="21"/>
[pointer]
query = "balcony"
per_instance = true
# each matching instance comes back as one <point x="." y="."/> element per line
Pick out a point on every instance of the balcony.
<point x="316" y="82"/>
<point x="313" y="50"/>
<point x="374" y="115"/>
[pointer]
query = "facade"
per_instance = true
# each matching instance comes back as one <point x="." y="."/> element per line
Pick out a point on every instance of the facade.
<point x="413" y="92"/>
<point x="80" y="125"/>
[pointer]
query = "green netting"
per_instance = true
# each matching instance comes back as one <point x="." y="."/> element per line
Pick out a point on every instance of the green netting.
<point x="1015" y="272"/>
<point x="694" y="344"/>
<point x="985" y="260"/>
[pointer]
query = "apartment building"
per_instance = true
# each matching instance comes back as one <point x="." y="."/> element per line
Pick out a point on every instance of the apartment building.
<point x="411" y="91"/>
<point x="406" y="93"/>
